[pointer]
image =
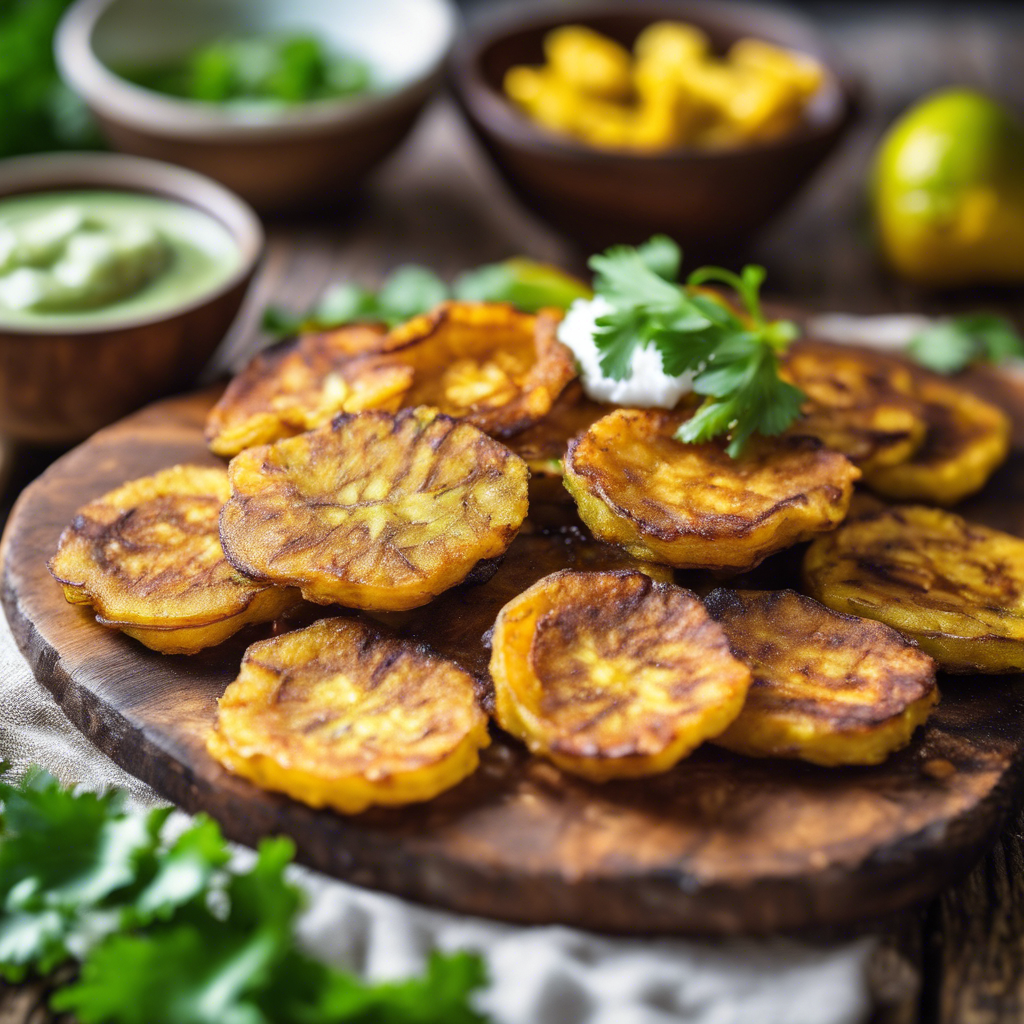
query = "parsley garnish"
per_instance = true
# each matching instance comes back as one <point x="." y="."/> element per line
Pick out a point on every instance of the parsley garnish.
<point x="168" y="932"/>
<point x="949" y="346"/>
<point x="733" y="358"/>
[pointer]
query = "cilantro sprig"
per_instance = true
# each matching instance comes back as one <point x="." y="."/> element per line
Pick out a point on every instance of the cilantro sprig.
<point x="412" y="289"/>
<point x="166" y="931"/>
<point x="733" y="357"/>
<point x="951" y="345"/>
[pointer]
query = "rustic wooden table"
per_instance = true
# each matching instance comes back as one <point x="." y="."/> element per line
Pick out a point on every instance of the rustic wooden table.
<point x="961" y="959"/>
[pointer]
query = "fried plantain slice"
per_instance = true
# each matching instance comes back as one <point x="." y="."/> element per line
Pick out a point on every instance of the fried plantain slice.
<point x="337" y="715"/>
<point x="374" y="511"/>
<point x="303" y="384"/>
<point x="691" y="505"/>
<point x="954" y="587"/>
<point x="612" y="675"/>
<point x="827" y="688"/>
<point x="486" y="362"/>
<point x="967" y="440"/>
<point x="859" y="403"/>
<point x="147" y="557"/>
<point x="458" y="623"/>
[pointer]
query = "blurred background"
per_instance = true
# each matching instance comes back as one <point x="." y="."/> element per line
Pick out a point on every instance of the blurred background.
<point x="392" y="134"/>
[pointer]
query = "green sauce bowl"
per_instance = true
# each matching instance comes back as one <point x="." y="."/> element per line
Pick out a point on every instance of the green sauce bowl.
<point x="63" y="378"/>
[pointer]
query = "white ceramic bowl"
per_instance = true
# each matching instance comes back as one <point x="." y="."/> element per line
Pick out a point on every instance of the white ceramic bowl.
<point x="301" y="155"/>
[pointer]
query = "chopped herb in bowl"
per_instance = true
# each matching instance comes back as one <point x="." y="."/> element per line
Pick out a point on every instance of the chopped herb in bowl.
<point x="276" y="69"/>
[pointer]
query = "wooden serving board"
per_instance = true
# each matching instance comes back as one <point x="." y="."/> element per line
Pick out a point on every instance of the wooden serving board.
<point x="719" y="845"/>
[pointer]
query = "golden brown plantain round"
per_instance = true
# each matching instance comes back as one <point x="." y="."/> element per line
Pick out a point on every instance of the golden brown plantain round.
<point x="611" y="674"/>
<point x="304" y="384"/>
<point x="374" y="511"/>
<point x="954" y="587"/>
<point x="859" y="403"/>
<point x="147" y="557"/>
<point x="337" y="715"/>
<point x="486" y="362"/>
<point x="828" y="688"/>
<point x="691" y="505"/>
<point x="457" y="624"/>
<point x="966" y="441"/>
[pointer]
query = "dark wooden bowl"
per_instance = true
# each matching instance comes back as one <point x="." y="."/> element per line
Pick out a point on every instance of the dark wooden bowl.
<point x="303" y="157"/>
<point x="58" y="386"/>
<point x="707" y="200"/>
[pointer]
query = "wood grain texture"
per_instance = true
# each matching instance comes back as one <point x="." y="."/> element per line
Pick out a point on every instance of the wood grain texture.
<point x="720" y="845"/>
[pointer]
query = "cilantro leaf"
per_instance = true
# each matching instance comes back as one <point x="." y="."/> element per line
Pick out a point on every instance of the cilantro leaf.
<point x="411" y="289"/>
<point x="949" y="346"/>
<point x="746" y="395"/>
<point x="182" y="873"/>
<point x="168" y="933"/>
<point x="198" y="968"/>
<point x="343" y="304"/>
<point x="733" y="358"/>
<point x="662" y="255"/>
<point x="526" y="284"/>
<point x="646" y="308"/>
<point x="441" y="996"/>
<point x="62" y="859"/>
<point x="408" y="291"/>
<point x="622" y="275"/>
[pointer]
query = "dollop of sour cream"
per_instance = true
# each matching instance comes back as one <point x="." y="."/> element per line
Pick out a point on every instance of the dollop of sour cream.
<point x="647" y="386"/>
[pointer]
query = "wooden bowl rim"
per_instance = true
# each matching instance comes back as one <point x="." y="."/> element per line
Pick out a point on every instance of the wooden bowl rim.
<point x="499" y="117"/>
<point x="119" y="101"/>
<point x="47" y="172"/>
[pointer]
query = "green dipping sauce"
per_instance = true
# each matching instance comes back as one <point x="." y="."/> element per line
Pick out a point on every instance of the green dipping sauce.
<point x="84" y="258"/>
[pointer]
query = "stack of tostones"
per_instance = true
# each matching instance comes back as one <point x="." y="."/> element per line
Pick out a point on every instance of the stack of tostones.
<point x="827" y="688"/>
<point x="692" y="505"/>
<point x="611" y="674"/>
<point x="148" y="558"/>
<point x="374" y="511"/>
<point x="336" y="715"/>
<point x="390" y="472"/>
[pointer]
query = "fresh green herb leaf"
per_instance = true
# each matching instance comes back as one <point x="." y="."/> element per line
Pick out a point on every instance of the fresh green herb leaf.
<point x="439" y="997"/>
<point x="663" y="256"/>
<point x="168" y="933"/>
<point x="526" y="284"/>
<point x="287" y="70"/>
<point x="37" y="111"/>
<point x="408" y="291"/>
<point x="949" y="346"/>
<point x="411" y="289"/>
<point x="646" y="309"/>
<point x="181" y="874"/>
<point x="63" y="859"/>
<point x="733" y="358"/>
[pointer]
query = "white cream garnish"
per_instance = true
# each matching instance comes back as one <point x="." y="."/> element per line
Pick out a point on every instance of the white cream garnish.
<point x="647" y="386"/>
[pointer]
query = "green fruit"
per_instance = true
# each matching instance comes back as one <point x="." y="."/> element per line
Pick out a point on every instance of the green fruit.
<point x="948" y="191"/>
